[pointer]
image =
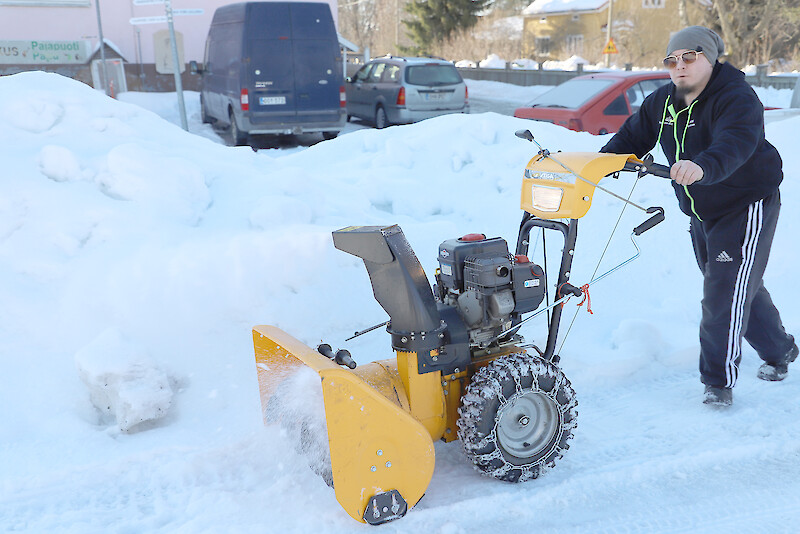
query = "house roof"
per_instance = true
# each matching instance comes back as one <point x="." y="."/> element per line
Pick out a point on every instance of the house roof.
<point x="551" y="7"/>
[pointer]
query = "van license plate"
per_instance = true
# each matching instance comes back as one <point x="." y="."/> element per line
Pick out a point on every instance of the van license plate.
<point x="271" y="100"/>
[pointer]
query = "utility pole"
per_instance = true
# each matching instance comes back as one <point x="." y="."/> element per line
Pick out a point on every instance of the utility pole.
<point x="608" y="31"/>
<point x="176" y="68"/>
<point x="102" y="48"/>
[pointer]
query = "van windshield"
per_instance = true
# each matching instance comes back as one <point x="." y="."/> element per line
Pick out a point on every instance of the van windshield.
<point x="572" y="94"/>
<point x="433" y="74"/>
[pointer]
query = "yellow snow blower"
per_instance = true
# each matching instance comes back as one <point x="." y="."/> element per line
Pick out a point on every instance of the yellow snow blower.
<point x="459" y="371"/>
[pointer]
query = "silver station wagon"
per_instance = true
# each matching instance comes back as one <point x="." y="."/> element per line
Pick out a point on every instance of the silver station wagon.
<point x="401" y="90"/>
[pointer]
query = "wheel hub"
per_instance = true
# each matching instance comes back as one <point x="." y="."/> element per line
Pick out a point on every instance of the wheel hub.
<point x="527" y="423"/>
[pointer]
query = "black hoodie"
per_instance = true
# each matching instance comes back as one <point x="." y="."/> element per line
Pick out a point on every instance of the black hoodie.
<point x="722" y="131"/>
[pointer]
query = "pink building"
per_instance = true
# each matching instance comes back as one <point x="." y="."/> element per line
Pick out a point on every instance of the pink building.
<point x="63" y="36"/>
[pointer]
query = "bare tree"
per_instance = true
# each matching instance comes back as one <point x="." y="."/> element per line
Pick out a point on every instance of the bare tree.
<point x="755" y="31"/>
<point x="493" y="34"/>
<point x="358" y="21"/>
<point x="682" y="14"/>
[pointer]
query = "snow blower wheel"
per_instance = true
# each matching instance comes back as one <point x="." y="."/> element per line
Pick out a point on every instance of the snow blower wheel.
<point x="517" y="417"/>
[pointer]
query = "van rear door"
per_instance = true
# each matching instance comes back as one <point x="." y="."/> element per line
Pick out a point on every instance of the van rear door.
<point x="317" y="60"/>
<point x="271" y="81"/>
<point x="294" y="69"/>
<point x="269" y="65"/>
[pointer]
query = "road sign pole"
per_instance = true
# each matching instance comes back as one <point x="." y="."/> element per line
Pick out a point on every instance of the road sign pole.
<point x="176" y="66"/>
<point x="102" y="47"/>
<point x="608" y="30"/>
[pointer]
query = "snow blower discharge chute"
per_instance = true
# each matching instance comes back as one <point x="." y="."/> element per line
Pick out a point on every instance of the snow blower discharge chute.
<point x="460" y="369"/>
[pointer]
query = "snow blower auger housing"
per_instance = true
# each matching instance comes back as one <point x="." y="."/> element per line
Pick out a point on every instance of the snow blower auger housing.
<point x="460" y="370"/>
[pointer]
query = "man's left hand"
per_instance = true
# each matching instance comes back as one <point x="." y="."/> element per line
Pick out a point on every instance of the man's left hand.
<point x="686" y="172"/>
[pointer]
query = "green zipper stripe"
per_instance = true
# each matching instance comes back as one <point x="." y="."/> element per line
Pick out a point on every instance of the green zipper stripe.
<point x="679" y="146"/>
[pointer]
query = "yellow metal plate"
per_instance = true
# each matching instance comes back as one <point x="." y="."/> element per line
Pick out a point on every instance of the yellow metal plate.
<point x="577" y="194"/>
<point x="375" y="445"/>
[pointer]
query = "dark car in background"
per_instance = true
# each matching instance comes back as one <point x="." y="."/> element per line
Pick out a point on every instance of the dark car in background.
<point x="401" y="90"/>
<point x="595" y="103"/>
<point x="273" y="68"/>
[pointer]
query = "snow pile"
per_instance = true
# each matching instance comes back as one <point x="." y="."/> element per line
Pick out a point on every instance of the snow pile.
<point x="570" y="63"/>
<point x="143" y="255"/>
<point x="524" y="64"/>
<point x="123" y="381"/>
<point x="492" y="61"/>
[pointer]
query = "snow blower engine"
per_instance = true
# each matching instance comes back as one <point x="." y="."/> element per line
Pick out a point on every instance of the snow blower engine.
<point x="461" y="369"/>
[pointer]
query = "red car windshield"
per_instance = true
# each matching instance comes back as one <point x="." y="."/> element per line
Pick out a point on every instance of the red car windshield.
<point x="572" y="94"/>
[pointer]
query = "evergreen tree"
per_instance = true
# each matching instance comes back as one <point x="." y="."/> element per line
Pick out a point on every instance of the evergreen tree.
<point x="435" y="21"/>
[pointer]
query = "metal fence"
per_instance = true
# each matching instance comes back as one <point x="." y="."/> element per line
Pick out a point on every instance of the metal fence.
<point x="556" y="77"/>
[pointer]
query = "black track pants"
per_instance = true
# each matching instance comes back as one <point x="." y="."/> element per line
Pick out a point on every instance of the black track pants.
<point x="732" y="253"/>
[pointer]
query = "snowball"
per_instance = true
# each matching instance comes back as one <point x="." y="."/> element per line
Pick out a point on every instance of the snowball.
<point x="59" y="164"/>
<point x="123" y="381"/>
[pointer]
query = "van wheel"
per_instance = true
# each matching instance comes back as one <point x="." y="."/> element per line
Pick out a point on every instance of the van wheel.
<point x="203" y="115"/>
<point x="381" y="121"/>
<point x="238" y="137"/>
<point x="329" y="135"/>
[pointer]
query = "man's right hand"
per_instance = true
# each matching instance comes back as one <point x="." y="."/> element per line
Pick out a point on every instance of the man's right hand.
<point x="686" y="172"/>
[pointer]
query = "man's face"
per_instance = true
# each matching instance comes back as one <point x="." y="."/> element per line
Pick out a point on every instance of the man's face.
<point x="690" y="78"/>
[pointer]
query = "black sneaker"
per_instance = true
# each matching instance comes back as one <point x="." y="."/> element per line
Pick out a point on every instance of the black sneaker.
<point x="716" y="396"/>
<point x="775" y="372"/>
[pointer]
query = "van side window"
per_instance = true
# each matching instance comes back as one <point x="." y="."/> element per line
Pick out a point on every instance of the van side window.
<point x="391" y="74"/>
<point x="375" y="75"/>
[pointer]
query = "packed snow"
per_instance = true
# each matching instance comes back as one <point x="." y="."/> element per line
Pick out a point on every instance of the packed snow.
<point x="136" y="257"/>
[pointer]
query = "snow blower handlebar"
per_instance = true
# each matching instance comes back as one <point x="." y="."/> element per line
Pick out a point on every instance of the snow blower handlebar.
<point x="550" y="193"/>
<point x="647" y="167"/>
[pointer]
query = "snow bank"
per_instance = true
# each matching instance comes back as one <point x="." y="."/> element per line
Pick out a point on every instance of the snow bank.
<point x="143" y="255"/>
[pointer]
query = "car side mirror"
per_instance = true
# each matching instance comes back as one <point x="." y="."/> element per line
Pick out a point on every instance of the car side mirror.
<point x="194" y="68"/>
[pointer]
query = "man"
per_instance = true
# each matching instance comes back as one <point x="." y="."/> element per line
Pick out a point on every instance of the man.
<point x="710" y="125"/>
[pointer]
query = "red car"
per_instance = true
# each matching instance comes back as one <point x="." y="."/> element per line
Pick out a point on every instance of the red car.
<point x="596" y="103"/>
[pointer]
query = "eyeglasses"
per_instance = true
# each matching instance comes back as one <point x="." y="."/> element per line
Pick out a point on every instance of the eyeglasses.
<point x="688" y="57"/>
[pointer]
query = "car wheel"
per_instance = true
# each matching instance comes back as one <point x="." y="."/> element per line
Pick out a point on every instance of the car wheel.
<point x="238" y="137"/>
<point x="381" y="121"/>
<point x="602" y="131"/>
<point x="329" y="135"/>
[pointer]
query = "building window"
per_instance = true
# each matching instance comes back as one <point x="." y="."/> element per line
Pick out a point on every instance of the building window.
<point x="576" y="17"/>
<point x="652" y="4"/>
<point x="45" y="3"/>
<point x="543" y="45"/>
<point x="575" y="45"/>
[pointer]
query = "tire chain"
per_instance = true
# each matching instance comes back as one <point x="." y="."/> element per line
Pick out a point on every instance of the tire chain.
<point x="486" y="385"/>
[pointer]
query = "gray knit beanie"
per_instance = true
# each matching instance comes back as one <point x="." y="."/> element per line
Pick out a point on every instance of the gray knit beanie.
<point x="697" y="38"/>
